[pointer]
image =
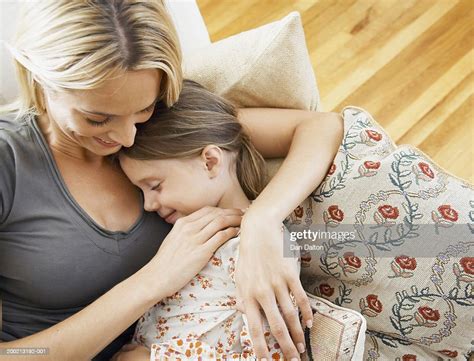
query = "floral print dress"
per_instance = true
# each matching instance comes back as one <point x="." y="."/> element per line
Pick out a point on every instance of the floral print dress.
<point x="201" y="321"/>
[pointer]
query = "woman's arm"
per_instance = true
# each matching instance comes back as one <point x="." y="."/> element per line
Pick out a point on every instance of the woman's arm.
<point x="310" y="141"/>
<point x="86" y="333"/>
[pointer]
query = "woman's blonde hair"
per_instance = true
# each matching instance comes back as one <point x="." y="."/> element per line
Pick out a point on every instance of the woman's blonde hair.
<point x="68" y="45"/>
<point x="199" y="118"/>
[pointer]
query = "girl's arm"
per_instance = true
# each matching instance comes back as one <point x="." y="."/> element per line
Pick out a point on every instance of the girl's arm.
<point x="310" y="141"/>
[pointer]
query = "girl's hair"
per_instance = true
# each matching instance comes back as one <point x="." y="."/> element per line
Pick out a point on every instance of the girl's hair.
<point x="66" y="45"/>
<point x="199" y="118"/>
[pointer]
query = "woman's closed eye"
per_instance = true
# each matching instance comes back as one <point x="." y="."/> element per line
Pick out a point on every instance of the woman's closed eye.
<point x="100" y="123"/>
<point x="96" y="123"/>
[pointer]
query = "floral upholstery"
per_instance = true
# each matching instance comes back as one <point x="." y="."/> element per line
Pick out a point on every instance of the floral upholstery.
<point x="408" y="265"/>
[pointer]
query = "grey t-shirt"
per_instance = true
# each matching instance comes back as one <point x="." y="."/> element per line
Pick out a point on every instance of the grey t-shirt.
<point x="54" y="259"/>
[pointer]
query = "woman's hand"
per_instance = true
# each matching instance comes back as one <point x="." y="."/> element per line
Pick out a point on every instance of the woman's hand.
<point x="190" y="245"/>
<point x="264" y="280"/>
<point x="131" y="352"/>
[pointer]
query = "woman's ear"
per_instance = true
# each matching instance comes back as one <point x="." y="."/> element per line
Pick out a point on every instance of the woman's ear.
<point x="212" y="158"/>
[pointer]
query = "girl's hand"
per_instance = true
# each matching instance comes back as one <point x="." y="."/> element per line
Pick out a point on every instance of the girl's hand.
<point x="190" y="245"/>
<point x="264" y="280"/>
<point x="131" y="352"/>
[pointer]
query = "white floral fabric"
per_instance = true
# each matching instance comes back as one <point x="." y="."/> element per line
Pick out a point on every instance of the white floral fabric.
<point x="202" y="321"/>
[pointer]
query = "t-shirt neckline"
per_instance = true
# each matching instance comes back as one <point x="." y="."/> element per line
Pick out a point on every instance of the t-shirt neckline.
<point x="67" y="194"/>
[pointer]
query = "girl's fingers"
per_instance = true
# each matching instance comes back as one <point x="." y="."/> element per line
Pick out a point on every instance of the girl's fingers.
<point x="279" y="328"/>
<point x="291" y="317"/>
<point x="197" y="214"/>
<point x="220" y="238"/>
<point x="218" y="224"/>
<point x="201" y="218"/>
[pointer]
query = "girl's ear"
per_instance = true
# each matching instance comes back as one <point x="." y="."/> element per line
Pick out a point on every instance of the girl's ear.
<point x="212" y="157"/>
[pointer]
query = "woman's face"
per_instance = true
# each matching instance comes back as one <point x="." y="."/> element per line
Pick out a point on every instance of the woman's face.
<point x="173" y="187"/>
<point x="103" y="120"/>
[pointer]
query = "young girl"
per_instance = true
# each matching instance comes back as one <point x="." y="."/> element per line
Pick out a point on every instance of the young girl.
<point x="196" y="154"/>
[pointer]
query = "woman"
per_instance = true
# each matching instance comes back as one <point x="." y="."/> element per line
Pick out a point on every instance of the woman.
<point x="75" y="247"/>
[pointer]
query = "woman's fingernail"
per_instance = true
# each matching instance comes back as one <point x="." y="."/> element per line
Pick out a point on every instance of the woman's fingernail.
<point x="309" y="323"/>
<point x="301" y="348"/>
<point x="263" y="359"/>
<point x="294" y="359"/>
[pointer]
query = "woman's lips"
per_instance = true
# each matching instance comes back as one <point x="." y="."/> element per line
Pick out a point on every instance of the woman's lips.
<point x="105" y="143"/>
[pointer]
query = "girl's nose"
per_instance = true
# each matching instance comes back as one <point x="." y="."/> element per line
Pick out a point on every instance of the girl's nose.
<point x="151" y="204"/>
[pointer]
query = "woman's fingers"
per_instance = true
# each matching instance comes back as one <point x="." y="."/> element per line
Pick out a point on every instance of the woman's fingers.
<point x="290" y="314"/>
<point x="278" y="327"/>
<point x="254" y="318"/>
<point x="302" y="301"/>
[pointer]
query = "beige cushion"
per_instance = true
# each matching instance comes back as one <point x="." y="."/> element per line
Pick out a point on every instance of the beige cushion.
<point x="409" y="269"/>
<point x="334" y="333"/>
<point x="265" y="67"/>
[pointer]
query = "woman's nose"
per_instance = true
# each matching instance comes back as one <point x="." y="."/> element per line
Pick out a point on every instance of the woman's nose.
<point x="125" y="132"/>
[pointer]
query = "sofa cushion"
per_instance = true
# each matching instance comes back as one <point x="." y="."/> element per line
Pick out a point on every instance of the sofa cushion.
<point x="404" y="254"/>
<point x="264" y="67"/>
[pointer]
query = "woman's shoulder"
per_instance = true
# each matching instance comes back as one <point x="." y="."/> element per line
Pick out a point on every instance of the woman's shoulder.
<point x="9" y="123"/>
<point x="14" y="132"/>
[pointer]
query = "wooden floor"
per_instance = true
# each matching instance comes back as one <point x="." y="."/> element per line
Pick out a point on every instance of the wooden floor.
<point x="408" y="62"/>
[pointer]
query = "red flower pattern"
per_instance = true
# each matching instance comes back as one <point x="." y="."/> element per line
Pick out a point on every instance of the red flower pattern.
<point x="374" y="303"/>
<point x="408" y="357"/>
<point x="449" y="353"/>
<point x="406" y="262"/>
<point x="335" y="213"/>
<point x="448" y="213"/>
<point x="371" y="165"/>
<point x="428" y="313"/>
<point x="425" y="168"/>
<point x="372" y="134"/>
<point x="467" y="264"/>
<point x="352" y="260"/>
<point x="388" y="211"/>
<point x="299" y="212"/>
<point x="326" y="290"/>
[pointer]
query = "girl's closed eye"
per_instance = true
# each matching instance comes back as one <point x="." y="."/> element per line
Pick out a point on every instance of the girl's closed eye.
<point x="149" y="109"/>
<point x="156" y="187"/>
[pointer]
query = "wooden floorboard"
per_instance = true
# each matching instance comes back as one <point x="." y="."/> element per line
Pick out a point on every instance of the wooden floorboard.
<point x="410" y="63"/>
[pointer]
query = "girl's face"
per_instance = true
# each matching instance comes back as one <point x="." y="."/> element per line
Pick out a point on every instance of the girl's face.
<point x="173" y="187"/>
<point x="103" y="120"/>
